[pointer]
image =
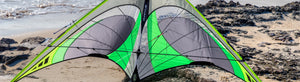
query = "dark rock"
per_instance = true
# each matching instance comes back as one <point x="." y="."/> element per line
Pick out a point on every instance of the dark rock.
<point x="34" y="40"/>
<point x="31" y="43"/>
<point x="268" y="17"/>
<point x="290" y="7"/>
<point x="278" y="22"/>
<point x="5" y="43"/>
<point x="34" y="77"/>
<point x="239" y="31"/>
<point x="265" y="26"/>
<point x="261" y="45"/>
<point x="8" y="41"/>
<point x="271" y="34"/>
<point x="276" y="49"/>
<point x="297" y="34"/>
<point x="232" y="4"/>
<point x="3" y="67"/>
<point x="201" y="8"/>
<point x="16" y="59"/>
<point x="246" y="36"/>
<point x="222" y="30"/>
<point x="232" y="39"/>
<point x="2" y="58"/>
<point x="244" y="22"/>
<point x="19" y="68"/>
<point x="216" y="3"/>
<point x="248" y="5"/>
<point x="247" y="52"/>
<point x="297" y="51"/>
<point x="296" y="15"/>
<point x="270" y="76"/>
<point x="286" y="49"/>
<point x="23" y="48"/>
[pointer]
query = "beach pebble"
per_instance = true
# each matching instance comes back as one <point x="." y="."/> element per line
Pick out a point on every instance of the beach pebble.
<point x="297" y="51"/>
<point x="286" y="49"/>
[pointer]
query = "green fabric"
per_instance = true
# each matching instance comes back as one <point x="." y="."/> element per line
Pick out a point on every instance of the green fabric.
<point x="157" y="44"/>
<point x="120" y="57"/>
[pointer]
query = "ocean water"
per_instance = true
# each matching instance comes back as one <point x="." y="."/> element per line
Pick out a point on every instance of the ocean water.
<point x="23" y="16"/>
<point x="255" y="2"/>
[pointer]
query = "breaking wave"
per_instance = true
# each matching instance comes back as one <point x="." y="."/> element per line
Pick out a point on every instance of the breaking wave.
<point x="13" y="9"/>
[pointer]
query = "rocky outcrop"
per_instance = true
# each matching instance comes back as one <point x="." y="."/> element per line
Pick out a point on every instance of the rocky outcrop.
<point x="12" y="60"/>
<point x="5" y="43"/>
<point x="282" y="66"/>
<point x="34" y="40"/>
<point x="248" y="52"/>
<point x="233" y="14"/>
<point x="276" y="63"/>
<point x="31" y="43"/>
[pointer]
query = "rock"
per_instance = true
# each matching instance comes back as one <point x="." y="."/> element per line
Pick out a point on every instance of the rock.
<point x="296" y="15"/>
<point x="297" y="51"/>
<point x="270" y="76"/>
<point x="16" y="59"/>
<point x="247" y="52"/>
<point x="261" y="45"/>
<point x="297" y="34"/>
<point x="31" y="43"/>
<point x="3" y="67"/>
<point x="271" y="34"/>
<point x="5" y="43"/>
<point x="26" y="46"/>
<point x="268" y="17"/>
<point x="286" y="49"/>
<point x="34" y="40"/>
<point x="222" y="30"/>
<point x="246" y="36"/>
<point x="232" y="4"/>
<point x="201" y="8"/>
<point x="216" y="3"/>
<point x="232" y="39"/>
<point x="2" y="58"/>
<point x="290" y="7"/>
<point x="243" y="22"/>
<point x="275" y="49"/>
<point x="8" y="41"/>
<point x="239" y="31"/>
<point x="265" y="26"/>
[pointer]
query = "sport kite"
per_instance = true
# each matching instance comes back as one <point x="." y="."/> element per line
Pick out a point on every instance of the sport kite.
<point x="143" y="37"/>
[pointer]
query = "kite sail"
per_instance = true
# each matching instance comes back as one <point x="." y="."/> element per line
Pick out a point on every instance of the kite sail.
<point x="143" y="37"/>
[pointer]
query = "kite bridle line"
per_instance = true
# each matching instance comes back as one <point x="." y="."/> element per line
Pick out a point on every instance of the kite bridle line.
<point x="185" y="55"/>
<point x="135" y="75"/>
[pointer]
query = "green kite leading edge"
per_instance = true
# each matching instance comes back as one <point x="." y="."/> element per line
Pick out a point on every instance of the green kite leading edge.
<point x="143" y="37"/>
